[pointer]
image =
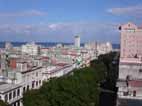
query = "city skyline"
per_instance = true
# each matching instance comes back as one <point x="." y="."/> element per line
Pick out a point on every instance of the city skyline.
<point x="52" y="21"/>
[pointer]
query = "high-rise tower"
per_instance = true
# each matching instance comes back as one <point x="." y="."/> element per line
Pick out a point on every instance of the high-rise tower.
<point x="130" y="65"/>
<point x="77" y="41"/>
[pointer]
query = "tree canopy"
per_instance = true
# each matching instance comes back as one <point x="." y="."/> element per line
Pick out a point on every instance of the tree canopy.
<point x="2" y="103"/>
<point x="78" y="89"/>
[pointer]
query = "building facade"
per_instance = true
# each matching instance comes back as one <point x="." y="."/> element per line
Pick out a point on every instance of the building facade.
<point x="11" y="93"/>
<point x="77" y="41"/>
<point x="31" y="49"/>
<point x="130" y="66"/>
<point x="27" y="67"/>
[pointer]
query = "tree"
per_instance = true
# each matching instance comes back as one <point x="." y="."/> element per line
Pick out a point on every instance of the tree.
<point x="2" y="103"/>
<point x="78" y="89"/>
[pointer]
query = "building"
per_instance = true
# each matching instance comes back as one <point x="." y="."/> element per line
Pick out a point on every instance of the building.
<point x="103" y="48"/>
<point x="57" y="71"/>
<point x="131" y="41"/>
<point x="8" y="46"/>
<point x="91" y="45"/>
<point x="27" y="67"/>
<point x="130" y="66"/>
<point x="77" y="41"/>
<point x="11" y="93"/>
<point x="31" y="49"/>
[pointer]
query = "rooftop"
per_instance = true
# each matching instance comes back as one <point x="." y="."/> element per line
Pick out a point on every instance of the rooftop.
<point x="5" y="87"/>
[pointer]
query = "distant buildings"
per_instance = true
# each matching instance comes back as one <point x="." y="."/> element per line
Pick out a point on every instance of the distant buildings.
<point x="104" y="48"/>
<point x="91" y="45"/>
<point x="31" y="49"/>
<point x="99" y="48"/>
<point x="130" y="67"/>
<point x="27" y="67"/>
<point x="77" y="41"/>
<point x="8" y="46"/>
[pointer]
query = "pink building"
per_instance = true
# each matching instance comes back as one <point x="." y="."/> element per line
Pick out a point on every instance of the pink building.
<point x="131" y="41"/>
<point x="130" y="66"/>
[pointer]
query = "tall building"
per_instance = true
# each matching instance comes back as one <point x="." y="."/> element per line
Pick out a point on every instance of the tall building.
<point x="130" y="66"/>
<point x="77" y="41"/>
<point x="131" y="41"/>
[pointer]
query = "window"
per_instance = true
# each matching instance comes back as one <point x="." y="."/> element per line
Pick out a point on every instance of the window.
<point x="36" y="83"/>
<point x="18" y="92"/>
<point x="39" y="81"/>
<point x="134" y="93"/>
<point x="28" y="87"/>
<point x="10" y="96"/>
<point x="14" y="94"/>
<point x="18" y="103"/>
<point x="33" y="84"/>
<point x="140" y="70"/>
<point x="125" y="93"/>
<point x="24" y="89"/>
<point x="127" y="77"/>
<point x="14" y="104"/>
<point x="6" y="97"/>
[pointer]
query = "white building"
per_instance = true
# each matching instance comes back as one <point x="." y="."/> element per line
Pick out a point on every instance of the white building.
<point x="31" y="49"/>
<point x="77" y="41"/>
<point x="30" y="79"/>
<point x="57" y="71"/>
<point x="8" y="46"/>
<point x="11" y="93"/>
<point x="91" y="45"/>
<point x="99" y="48"/>
<point x="103" y="48"/>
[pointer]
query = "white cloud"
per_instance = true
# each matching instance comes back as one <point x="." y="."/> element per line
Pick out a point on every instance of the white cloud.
<point x="54" y="26"/>
<point x="89" y="31"/>
<point x="128" y="11"/>
<point x="23" y="13"/>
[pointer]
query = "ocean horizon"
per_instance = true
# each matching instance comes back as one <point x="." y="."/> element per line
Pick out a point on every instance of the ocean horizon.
<point x="48" y="44"/>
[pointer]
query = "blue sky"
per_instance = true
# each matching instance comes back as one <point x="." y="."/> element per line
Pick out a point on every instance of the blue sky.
<point x="61" y="20"/>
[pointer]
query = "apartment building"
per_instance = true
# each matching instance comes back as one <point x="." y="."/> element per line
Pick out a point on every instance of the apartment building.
<point x="130" y="67"/>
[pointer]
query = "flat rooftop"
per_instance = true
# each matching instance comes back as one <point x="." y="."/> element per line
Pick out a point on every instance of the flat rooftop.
<point x="5" y="87"/>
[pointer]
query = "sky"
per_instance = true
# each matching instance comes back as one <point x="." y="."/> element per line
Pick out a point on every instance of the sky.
<point x="61" y="20"/>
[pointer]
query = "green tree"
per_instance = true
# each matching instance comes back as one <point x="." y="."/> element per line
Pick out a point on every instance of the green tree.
<point x="78" y="89"/>
<point x="2" y="103"/>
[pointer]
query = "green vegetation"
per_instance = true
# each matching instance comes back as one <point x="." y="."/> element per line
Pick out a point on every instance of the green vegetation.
<point x="111" y="62"/>
<point x="3" y="103"/>
<point x="78" y="89"/>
